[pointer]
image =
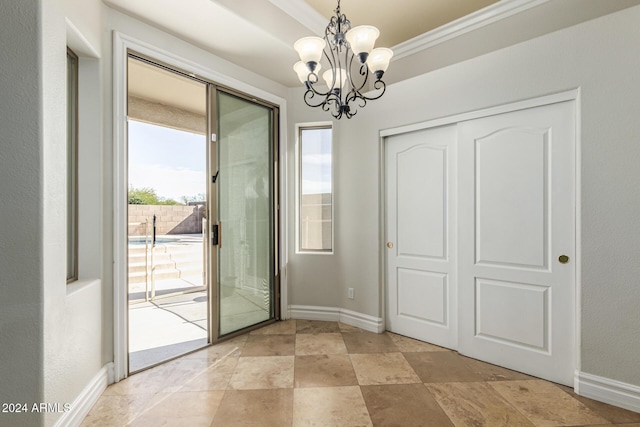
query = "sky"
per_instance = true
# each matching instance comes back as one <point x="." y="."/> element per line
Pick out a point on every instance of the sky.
<point x="316" y="161"/>
<point x="170" y="161"/>
<point x="174" y="162"/>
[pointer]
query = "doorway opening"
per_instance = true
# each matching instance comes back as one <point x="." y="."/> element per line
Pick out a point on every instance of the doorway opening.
<point x="167" y="185"/>
<point x="202" y="170"/>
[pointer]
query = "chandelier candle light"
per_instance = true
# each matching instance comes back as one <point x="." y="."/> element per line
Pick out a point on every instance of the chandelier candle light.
<point x="345" y="80"/>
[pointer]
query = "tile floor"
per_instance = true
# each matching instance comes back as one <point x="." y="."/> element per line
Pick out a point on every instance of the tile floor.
<point x="310" y="373"/>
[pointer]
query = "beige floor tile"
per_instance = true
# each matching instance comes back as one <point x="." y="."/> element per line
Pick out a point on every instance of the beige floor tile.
<point x="617" y="425"/>
<point x="440" y="367"/>
<point x="403" y="405"/>
<point x="329" y="406"/>
<point x="253" y="373"/>
<point x="269" y="345"/>
<point x="368" y="342"/>
<point x="406" y="344"/>
<point x="544" y="404"/>
<point x="324" y="370"/>
<point x="476" y="404"/>
<point x="255" y="408"/>
<point x="148" y="381"/>
<point x="330" y="343"/>
<point x="489" y="372"/>
<point x="284" y="327"/>
<point x="215" y="377"/>
<point x="184" y="371"/>
<point x="116" y="410"/>
<point x="383" y="368"/>
<point x="232" y="347"/>
<point x="194" y="409"/>
<point x="316" y="327"/>
<point x="348" y="328"/>
<point x="612" y="413"/>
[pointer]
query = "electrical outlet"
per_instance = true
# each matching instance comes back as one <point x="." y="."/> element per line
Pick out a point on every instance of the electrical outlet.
<point x="350" y="293"/>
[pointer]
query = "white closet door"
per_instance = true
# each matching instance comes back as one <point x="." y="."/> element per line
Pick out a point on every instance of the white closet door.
<point x="517" y="225"/>
<point x="420" y="212"/>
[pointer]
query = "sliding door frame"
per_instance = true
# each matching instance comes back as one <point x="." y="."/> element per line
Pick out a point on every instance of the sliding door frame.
<point x="122" y="46"/>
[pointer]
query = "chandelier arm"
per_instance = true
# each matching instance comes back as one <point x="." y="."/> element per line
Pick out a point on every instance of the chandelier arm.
<point x="308" y="96"/>
<point x="378" y="85"/>
<point x="317" y="92"/>
<point x="363" y="71"/>
<point x="332" y="106"/>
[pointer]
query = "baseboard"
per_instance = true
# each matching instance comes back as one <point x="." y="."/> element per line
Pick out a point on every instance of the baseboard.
<point x="87" y="398"/>
<point x="609" y="391"/>
<point x="334" y="314"/>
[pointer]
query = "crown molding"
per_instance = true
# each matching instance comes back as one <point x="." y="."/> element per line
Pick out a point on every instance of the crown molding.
<point x="483" y="17"/>
<point x="304" y="14"/>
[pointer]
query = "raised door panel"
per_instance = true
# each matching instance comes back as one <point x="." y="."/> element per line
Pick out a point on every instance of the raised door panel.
<point x="514" y="314"/>
<point x="421" y="198"/>
<point x="422" y="296"/>
<point x="511" y="183"/>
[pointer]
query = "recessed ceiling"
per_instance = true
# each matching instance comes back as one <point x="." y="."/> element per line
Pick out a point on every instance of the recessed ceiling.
<point x="258" y="35"/>
<point x="400" y="20"/>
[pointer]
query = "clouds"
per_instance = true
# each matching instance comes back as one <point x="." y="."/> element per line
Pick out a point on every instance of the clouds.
<point x="170" y="161"/>
<point x="315" y="161"/>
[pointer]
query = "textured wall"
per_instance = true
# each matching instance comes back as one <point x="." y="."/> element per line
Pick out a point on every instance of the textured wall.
<point x="593" y="56"/>
<point x="73" y="313"/>
<point x="21" y="276"/>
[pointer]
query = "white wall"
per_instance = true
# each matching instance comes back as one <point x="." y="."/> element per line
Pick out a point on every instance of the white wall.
<point x="599" y="57"/>
<point x="21" y="215"/>
<point x="313" y="278"/>
<point x="73" y="349"/>
<point x="51" y="332"/>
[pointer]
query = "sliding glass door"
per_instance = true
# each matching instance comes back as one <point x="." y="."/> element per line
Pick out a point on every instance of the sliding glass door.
<point x="245" y="197"/>
<point x="202" y="251"/>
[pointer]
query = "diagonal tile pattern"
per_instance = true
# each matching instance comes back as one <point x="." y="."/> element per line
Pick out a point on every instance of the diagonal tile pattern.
<point x="312" y="373"/>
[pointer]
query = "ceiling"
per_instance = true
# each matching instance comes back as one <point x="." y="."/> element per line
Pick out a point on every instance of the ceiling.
<point x="258" y="35"/>
<point x="400" y="20"/>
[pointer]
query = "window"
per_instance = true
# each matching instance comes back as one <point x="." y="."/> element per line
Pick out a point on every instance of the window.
<point x="72" y="166"/>
<point x="315" y="197"/>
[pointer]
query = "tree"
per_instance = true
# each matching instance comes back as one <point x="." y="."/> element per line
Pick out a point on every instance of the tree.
<point x="148" y="196"/>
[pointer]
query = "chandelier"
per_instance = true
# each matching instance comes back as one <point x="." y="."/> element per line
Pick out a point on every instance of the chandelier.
<point x="346" y="79"/>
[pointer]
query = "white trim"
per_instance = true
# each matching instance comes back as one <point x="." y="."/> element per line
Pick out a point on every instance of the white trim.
<point x="78" y="42"/>
<point x="121" y="43"/>
<point x="578" y="230"/>
<point x="481" y="18"/>
<point x="382" y="229"/>
<point x="569" y="95"/>
<point x="120" y="312"/>
<point x="609" y="391"/>
<point x="304" y="14"/>
<point x="335" y="314"/>
<point x="316" y="23"/>
<point x="296" y="186"/>
<point x="363" y="321"/>
<point x="87" y="398"/>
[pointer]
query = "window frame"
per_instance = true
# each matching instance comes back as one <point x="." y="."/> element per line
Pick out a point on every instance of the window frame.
<point x="298" y="234"/>
<point x="72" y="165"/>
